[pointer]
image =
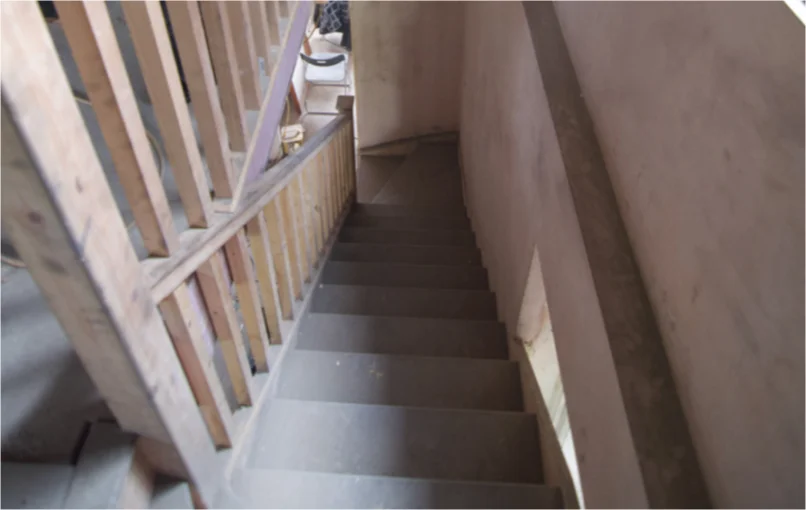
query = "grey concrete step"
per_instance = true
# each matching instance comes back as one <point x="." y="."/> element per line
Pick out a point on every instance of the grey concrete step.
<point x="403" y="335"/>
<point x="271" y="488"/>
<point x="407" y="237"/>
<point x="428" y="255"/>
<point x="401" y="302"/>
<point x="377" y="440"/>
<point x="409" y="222"/>
<point x="169" y="493"/>
<point x="405" y="275"/>
<point x="449" y="383"/>
<point x="389" y="210"/>
<point x="29" y="485"/>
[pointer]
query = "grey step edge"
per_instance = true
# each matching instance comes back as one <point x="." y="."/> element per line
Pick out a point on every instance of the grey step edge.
<point x="402" y="254"/>
<point x="270" y="488"/>
<point x="489" y="446"/>
<point x="445" y="383"/>
<point x="408" y="210"/>
<point x="403" y="335"/>
<point x="412" y="237"/>
<point x="405" y="275"/>
<point x="458" y="223"/>
<point x="404" y="302"/>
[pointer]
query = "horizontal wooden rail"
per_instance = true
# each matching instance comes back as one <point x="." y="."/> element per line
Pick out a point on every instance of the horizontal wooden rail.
<point x="197" y="245"/>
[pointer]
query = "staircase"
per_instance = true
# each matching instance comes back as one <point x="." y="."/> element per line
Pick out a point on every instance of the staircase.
<point x="398" y="391"/>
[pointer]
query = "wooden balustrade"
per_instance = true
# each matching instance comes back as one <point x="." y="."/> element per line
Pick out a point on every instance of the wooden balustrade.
<point x="146" y="330"/>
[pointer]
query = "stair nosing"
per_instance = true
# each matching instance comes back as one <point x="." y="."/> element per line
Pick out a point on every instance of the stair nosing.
<point x="409" y="408"/>
<point x="417" y="356"/>
<point x="404" y="317"/>
<point x="429" y="289"/>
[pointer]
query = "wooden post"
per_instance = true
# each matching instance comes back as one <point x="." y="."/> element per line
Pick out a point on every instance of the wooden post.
<point x="89" y="31"/>
<point x="222" y="53"/>
<point x="241" y="29"/>
<point x="217" y="296"/>
<point x="190" y="40"/>
<point x="261" y="32"/>
<point x="197" y="360"/>
<point x="258" y="235"/>
<point x="60" y="214"/>
<point x="243" y="274"/>
<point x="153" y="47"/>
<point x="279" y="250"/>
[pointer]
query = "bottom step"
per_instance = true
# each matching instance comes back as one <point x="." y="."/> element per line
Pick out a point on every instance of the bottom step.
<point x="269" y="488"/>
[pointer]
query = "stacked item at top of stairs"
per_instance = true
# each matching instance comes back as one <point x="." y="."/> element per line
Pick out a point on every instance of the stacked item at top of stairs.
<point x="398" y="392"/>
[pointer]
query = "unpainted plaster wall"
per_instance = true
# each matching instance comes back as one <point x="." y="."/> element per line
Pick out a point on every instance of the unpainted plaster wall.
<point x="407" y="68"/>
<point x="698" y="108"/>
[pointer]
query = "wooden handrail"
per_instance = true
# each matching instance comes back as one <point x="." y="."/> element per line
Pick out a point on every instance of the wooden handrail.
<point x="163" y="275"/>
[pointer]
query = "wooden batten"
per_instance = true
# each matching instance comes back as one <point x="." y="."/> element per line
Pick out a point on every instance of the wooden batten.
<point x="153" y="47"/>
<point x="190" y="40"/>
<point x="196" y="357"/>
<point x="258" y="235"/>
<point x="261" y="33"/>
<point x="243" y="275"/>
<point x="216" y="292"/>
<point x="292" y="240"/>
<point x="302" y="224"/>
<point x="222" y="54"/>
<point x="245" y="55"/>
<point x="273" y="21"/>
<point x="89" y="32"/>
<point x="279" y="250"/>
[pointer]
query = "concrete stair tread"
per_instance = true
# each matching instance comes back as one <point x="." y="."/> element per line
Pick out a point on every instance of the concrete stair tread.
<point x="169" y="493"/>
<point x="392" y="210"/>
<point x="405" y="275"/>
<point x="403" y="335"/>
<point x="411" y="237"/>
<point x="456" y="383"/>
<point x="406" y="254"/>
<point x="32" y="485"/>
<point x="493" y="446"/>
<point x="272" y="488"/>
<point x="405" y="302"/>
<point x="434" y="223"/>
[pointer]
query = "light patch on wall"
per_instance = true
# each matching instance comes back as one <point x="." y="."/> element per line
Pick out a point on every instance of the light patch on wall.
<point x="534" y="334"/>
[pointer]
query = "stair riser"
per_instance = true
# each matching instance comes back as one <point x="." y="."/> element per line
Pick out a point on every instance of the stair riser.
<point x="406" y="237"/>
<point x="401" y="381"/>
<point x="415" y="337"/>
<point x="402" y="275"/>
<point x="395" y="441"/>
<point x="409" y="222"/>
<point x="447" y="304"/>
<point x="387" y="210"/>
<point x="422" y="255"/>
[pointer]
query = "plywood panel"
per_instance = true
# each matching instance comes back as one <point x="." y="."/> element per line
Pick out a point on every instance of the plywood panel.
<point x="407" y="68"/>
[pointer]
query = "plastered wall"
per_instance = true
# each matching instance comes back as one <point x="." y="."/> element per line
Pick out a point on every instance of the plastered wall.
<point x="407" y="68"/>
<point x="698" y="108"/>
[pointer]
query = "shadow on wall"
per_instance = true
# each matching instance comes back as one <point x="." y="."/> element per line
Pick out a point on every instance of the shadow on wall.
<point x="532" y="345"/>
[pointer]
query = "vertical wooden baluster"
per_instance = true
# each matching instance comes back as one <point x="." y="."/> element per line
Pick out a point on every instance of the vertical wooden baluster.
<point x="217" y="296"/>
<point x="222" y="53"/>
<point x="312" y="186"/>
<point x="95" y="50"/>
<point x="190" y="40"/>
<point x="292" y="241"/>
<point x="258" y="235"/>
<point x="298" y="202"/>
<point x="59" y="212"/>
<point x="153" y="47"/>
<point x="331" y="173"/>
<point x="243" y="274"/>
<point x="325" y="193"/>
<point x="279" y="251"/>
<point x="197" y="361"/>
<point x="342" y="170"/>
<point x="261" y="31"/>
<point x="241" y="29"/>
<point x="273" y="20"/>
